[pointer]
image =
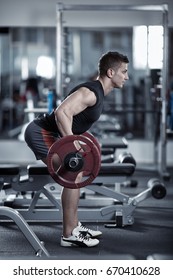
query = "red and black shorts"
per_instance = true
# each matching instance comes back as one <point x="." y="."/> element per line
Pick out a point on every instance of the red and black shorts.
<point x="39" y="140"/>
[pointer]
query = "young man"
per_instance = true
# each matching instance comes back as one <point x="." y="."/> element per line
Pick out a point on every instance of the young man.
<point x="75" y="115"/>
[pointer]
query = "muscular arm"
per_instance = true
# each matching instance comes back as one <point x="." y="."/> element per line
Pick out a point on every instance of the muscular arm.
<point x="71" y="106"/>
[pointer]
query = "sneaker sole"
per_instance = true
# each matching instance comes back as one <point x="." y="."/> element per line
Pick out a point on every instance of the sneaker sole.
<point x="65" y="243"/>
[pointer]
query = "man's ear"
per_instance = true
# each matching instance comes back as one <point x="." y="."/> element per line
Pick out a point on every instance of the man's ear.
<point x="110" y="72"/>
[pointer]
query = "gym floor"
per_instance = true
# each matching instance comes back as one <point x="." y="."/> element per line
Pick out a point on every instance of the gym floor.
<point x="149" y="237"/>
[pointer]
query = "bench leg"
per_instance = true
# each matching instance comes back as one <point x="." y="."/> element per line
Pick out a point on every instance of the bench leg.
<point x="25" y="229"/>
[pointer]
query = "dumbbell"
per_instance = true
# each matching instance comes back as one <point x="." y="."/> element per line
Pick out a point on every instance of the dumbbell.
<point x="126" y="158"/>
<point x="158" y="189"/>
<point x="130" y="183"/>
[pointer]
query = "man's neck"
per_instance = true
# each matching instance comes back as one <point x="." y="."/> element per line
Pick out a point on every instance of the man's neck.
<point x="107" y="87"/>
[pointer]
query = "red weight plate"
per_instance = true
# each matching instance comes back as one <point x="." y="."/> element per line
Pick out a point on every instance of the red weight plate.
<point x="92" y="138"/>
<point x="91" y="161"/>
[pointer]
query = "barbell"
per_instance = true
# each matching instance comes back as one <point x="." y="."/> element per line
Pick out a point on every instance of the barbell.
<point x="75" y="168"/>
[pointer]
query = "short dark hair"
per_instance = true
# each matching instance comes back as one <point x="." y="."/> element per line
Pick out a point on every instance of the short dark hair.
<point x="110" y="60"/>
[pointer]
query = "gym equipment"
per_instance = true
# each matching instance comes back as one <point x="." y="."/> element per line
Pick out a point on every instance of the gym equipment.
<point x="93" y="139"/>
<point x="124" y="212"/>
<point x="10" y="174"/>
<point x="119" y="208"/>
<point x="108" y="174"/>
<point x="108" y="148"/>
<point x="120" y="212"/>
<point x="126" y="157"/>
<point x="157" y="188"/>
<point x="74" y="162"/>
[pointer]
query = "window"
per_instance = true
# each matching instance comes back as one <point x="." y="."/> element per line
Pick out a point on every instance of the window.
<point x="148" y="47"/>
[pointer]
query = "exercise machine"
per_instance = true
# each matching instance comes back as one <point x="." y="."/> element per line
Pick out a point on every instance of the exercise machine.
<point x="10" y="174"/>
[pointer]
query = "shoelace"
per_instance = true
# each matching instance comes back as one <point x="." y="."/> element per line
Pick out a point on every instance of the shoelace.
<point x="84" y="227"/>
<point x="83" y="237"/>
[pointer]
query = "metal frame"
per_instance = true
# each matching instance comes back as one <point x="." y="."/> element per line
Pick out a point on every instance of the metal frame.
<point x="154" y="8"/>
<point x="114" y="205"/>
<point x="8" y="213"/>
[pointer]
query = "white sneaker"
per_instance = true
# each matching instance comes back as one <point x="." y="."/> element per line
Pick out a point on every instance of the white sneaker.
<point x="78" y="239"/>
<point x="88" y="232"/>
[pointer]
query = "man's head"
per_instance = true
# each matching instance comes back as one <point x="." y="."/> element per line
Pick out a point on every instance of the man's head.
<point x="111" y="60"/>
<point x="113" y="66"/>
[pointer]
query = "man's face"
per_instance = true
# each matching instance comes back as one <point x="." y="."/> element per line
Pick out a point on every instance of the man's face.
<point x="120" y="75"/>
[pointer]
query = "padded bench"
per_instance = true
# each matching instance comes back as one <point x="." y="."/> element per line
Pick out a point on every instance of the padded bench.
<point x="117" y="143"/>
<point x="108" y="148"/>
<point x="112" y="169"/>
<point x="41" y="183"/>
<point x="9" y="173"/>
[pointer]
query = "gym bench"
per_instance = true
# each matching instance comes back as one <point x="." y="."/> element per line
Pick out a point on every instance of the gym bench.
<point x="38" y="182"/>
<point x="10" y="174"/>
<point x="120" y="211"/>
<point x="109" y="148"/>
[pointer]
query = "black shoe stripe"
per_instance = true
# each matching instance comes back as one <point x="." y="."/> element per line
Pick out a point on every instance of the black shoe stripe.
<point x="75" y="242"/>
<point x="86" y="233"/>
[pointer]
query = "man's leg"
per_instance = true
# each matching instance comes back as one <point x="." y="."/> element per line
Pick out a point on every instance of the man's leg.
<point x="70" y="200"/>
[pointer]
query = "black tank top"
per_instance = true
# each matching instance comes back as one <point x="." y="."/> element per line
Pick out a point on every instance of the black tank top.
<point x="82" y="121"/>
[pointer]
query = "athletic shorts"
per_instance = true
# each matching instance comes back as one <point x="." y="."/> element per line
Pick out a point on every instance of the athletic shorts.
<point x="39" y="140"/>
